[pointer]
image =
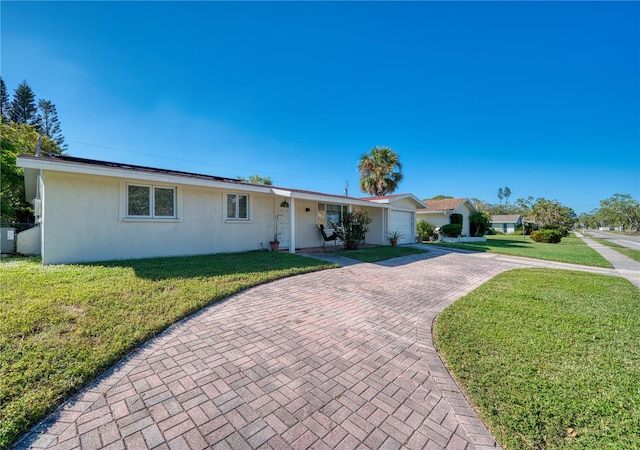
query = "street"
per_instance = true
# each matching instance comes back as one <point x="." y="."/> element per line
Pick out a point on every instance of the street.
<point x="620" y="239"/>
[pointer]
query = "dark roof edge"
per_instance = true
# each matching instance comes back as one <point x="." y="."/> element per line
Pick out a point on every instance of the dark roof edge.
<point x="96" y="162"/>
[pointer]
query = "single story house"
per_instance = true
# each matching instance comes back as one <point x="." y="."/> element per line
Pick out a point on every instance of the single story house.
<point x="402" y="217"/>
<point x="438" y="212"/>
<point x="505" y="223"/>
<point x="89" y="210"/>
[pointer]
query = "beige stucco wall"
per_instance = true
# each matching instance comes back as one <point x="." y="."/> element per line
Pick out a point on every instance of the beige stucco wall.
<point x="307" y="234"/>
<point x="436" y="218"/>
<point x="377" y="227"/>
<point x="84" y="221"/>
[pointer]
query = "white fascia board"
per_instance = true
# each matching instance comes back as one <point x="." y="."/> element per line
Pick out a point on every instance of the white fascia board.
<point x="322" y="198"/>
<point x="281" y="192"/>
<point x="432" y="211"/>
<point x="338" y="200"/>
<point x="412" y="197"/>
<point x="116" y="172"/>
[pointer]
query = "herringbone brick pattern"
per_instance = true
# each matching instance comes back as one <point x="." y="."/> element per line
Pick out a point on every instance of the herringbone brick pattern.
<point x="334" y="359"/>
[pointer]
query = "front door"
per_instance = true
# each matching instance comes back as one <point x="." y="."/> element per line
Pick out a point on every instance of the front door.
<point x="284" y="226"/>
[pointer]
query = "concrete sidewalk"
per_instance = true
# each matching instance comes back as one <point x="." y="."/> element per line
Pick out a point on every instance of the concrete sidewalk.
<point x="624" y="266"/>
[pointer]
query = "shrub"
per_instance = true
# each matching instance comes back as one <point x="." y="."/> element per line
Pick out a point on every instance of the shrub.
<point x="478" y="223"/>
<point x="547" y="236"/>
<point x="564" y="231"/>
<point x="425" y="229"/>
<point x="456" y="219"/>
<point x="355" y="226"/>
<point x="451" y="230"/>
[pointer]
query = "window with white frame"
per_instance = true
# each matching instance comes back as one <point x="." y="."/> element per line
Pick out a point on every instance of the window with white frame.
<point x="237" y="206"/>
<point x="151" y="201"/>
<point x="329" y="213"/>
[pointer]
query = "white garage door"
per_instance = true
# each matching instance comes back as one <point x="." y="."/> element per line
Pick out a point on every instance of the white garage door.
<point x="403" y="222"/>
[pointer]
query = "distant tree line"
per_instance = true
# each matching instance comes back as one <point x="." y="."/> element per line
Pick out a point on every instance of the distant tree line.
<point x="23" y="121"/>
<point x="619" y="210"/>
<point x="537" y="213"/>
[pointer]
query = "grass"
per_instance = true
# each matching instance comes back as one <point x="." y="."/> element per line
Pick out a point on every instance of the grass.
<point x="550" y="359"/>
<point x="376" y="254"/>
<point x="571" y="250"/>
<point x="61" y="326"/>
<point x="626" y="251"/>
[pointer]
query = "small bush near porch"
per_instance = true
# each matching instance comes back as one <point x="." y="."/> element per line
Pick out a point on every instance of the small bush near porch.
<point x="353" y="229"/>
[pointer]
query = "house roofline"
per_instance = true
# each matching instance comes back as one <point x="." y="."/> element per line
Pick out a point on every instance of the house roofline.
<point x="63" y="163"/>
<point x="461" y="201"/>
<point x="387" y="199"/>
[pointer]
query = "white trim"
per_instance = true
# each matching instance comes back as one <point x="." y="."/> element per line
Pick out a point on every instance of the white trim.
<point x="225" y="210"/>
<point x="29" y="162"/>
<point x="152" y="195"/>
<point x="390" y="200"/>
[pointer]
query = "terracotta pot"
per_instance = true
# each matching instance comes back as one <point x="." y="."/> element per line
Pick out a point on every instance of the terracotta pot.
<point x="275" y="246"/>
<point x="394" y="242"/>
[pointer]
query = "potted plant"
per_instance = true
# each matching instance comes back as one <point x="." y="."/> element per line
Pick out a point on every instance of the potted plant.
<point x="275" y="243"/>
<point x="394" y="236"/>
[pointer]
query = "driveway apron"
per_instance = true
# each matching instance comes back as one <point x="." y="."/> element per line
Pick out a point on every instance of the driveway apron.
<point x="340" y="358"/>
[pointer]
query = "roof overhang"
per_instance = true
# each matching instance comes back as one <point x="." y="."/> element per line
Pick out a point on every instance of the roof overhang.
<point x="33" y="164"/>
<point x="450" y="210"/>
<point x="30" y="184"/>
<point x="395" y="198"/>
<point x="324" y="198"/>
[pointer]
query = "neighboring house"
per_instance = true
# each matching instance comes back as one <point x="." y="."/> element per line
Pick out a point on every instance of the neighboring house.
<point x="402" y="216"/>
<point x="92" y="210"/>
<point x="506" y="223"/>
<point x="438" y="212"/>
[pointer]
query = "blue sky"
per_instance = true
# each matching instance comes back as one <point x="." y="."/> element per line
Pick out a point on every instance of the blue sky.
<point x="542" y="97"/>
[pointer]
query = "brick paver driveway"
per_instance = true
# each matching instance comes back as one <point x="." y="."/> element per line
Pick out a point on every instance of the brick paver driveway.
<point x="335" y="359"/>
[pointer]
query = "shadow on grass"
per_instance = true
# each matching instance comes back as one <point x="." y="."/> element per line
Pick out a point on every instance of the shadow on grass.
<point x="485" y="247"/>
<point x="215" y="265"/>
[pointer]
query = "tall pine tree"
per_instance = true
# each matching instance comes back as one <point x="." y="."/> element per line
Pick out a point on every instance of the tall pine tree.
<point x="23" y="106"/>
<point x="4" y="99"/>
<point x="49" y="125"/>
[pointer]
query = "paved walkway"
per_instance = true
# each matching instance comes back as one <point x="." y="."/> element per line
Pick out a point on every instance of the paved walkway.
<point x="623" y="265"/>
<point x="334" y="359"/>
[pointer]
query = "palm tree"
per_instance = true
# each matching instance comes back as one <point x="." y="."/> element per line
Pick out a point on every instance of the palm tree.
<point x="380" y="171"/>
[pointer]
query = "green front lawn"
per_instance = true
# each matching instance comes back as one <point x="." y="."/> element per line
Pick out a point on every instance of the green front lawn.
<point x="571" y="250"/>
<point x="550" y="358"/>
<point x="61" y="326"/>
<point x="376" y="254"/>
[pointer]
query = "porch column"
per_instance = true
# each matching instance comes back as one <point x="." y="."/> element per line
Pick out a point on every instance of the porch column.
<point x="292" y="222"/>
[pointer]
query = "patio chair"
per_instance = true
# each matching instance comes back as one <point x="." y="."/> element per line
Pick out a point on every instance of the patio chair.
<point x="325" y="238"/>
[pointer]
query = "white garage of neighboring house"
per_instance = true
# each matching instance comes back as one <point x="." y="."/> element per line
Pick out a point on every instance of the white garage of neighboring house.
<point x="402" y="215"/>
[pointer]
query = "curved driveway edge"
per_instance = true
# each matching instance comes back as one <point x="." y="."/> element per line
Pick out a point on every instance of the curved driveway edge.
<point x="341" y="358"/>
